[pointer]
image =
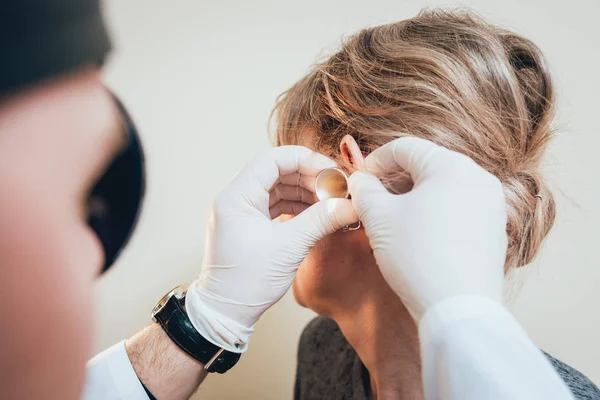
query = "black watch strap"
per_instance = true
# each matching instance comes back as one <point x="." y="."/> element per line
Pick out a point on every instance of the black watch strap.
<point x="176" y="323"/>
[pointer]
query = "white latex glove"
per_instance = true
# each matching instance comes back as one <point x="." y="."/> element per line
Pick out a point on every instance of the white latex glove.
<point x="249" y="260"/>
<point x="444" y="238"/>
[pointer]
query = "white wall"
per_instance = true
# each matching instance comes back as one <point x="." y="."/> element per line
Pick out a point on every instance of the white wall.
<point x="200" y="79"/>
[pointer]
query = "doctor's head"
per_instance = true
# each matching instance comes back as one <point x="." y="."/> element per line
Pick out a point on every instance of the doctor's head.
<point x="448" y="77"/>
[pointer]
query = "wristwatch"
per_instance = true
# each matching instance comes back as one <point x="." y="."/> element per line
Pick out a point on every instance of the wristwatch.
<point x="170" y="313"/>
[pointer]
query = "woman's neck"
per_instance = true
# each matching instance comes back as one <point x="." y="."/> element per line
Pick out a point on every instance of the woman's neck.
<point x="386" y="339"/>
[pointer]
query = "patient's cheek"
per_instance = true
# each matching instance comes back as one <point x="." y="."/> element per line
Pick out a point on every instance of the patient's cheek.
<point x="298" y="295"/>
<point x="310" y="282"/>
<point x="335" y="272"/>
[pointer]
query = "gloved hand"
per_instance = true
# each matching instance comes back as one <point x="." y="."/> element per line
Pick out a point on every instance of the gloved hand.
<point x="249" y="260"/>
<point x="444" y="238"/>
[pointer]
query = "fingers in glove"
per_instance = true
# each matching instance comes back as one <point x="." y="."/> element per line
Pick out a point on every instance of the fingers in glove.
<point x="322" y="218"/>
<point x="287" y="207"/>
<point x="293" y="193"/>
<point x="368" y="194"/>
<point x="304" y="181"/>
<point x="253" y="184"/>
<point x="415" y="155"/>
<point x="270" y="165"/>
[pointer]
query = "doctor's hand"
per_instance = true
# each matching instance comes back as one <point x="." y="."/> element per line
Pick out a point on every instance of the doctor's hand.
<point x="444" y="238"/>
<point x="249" y="259"/>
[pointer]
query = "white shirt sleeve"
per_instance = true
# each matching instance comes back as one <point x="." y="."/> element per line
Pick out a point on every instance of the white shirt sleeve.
<point x="110" y="376"/>
<point x="473" y="348"/>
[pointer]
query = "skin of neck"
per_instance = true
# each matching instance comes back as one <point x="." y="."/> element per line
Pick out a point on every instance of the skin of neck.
<point x="385" y="336"/>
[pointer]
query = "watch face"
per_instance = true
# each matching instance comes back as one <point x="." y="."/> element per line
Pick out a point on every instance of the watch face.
<point x="177" y="291"/>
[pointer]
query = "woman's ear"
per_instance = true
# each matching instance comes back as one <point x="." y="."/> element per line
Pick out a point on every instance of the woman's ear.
<point x="351" y="154"/>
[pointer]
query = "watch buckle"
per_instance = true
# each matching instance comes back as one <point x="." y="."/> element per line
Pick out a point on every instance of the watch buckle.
<point x="213" y="359"/>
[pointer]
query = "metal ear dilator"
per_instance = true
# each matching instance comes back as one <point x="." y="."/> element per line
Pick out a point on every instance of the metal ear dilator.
<point x="332" y="183"/>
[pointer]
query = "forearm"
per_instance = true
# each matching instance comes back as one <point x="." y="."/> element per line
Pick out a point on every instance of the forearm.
<point x="166" y="370"/>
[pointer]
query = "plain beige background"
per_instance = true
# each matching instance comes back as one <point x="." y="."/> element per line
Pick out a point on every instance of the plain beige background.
<point x="200" y="79"/>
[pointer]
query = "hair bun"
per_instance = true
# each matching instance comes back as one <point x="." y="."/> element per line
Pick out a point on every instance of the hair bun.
<point x="531" y="211"/>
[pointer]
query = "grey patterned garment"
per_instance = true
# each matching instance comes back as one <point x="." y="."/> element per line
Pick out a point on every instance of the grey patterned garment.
<point x="329" y="368"/>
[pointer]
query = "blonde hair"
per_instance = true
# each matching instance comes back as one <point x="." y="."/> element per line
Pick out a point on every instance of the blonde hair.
<point x="449" y="77"/>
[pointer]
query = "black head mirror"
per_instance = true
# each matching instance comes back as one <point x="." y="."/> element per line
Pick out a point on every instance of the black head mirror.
<point x="116" y="200"/>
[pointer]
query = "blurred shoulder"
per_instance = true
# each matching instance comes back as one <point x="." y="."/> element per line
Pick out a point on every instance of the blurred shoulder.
<point x="321" y="340"/>
<point x="581" y="386"/>
<point x="328" y="367"/>
<point x="321" y="330"/>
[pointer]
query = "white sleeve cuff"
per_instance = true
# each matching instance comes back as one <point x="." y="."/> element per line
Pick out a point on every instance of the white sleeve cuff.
<point x="110" y="376"/>
<point x="460" y="308"/>
<point x="473" y="348"/>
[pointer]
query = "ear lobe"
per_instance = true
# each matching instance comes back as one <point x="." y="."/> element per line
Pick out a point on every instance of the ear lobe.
<point x="351" y="154"/>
